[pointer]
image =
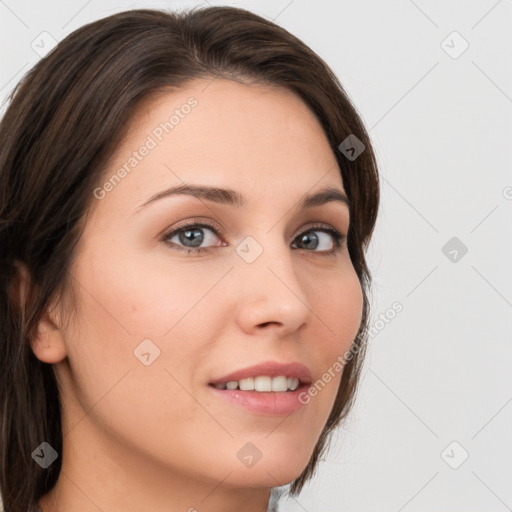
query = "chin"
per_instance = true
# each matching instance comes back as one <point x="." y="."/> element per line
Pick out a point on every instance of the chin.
<point x="276" y="467"/>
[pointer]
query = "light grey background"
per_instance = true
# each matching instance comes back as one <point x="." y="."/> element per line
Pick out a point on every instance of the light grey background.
<point x="441" y="123"/>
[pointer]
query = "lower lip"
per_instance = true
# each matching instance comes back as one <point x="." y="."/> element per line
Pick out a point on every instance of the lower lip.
<point x="267" y="403"/>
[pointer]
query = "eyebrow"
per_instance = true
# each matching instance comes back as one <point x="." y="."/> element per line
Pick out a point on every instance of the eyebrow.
<point x="236" y="199"/>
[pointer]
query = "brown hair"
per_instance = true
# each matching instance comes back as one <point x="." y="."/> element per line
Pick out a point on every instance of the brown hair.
<point x="65" y="119"/>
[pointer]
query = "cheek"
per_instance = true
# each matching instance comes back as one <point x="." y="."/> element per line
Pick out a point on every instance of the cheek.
<point x="137" y="404"/>
<point x="156" y="296"/>
<point x="129" y="309"/>
<point x="338" y="305"/>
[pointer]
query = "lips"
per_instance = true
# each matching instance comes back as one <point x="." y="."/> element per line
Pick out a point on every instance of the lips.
<point x="269" y="369"/>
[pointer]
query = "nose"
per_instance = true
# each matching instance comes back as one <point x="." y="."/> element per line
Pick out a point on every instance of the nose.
<point x="271" y="294"/>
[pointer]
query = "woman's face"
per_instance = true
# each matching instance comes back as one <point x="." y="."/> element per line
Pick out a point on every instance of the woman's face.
<point x="157" y="325"/>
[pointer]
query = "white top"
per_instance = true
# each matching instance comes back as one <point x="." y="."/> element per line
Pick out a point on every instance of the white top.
<point x="273" y="505"/>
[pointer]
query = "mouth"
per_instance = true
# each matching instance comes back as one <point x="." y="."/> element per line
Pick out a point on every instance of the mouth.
<point x="268" y="389"/>
<point x="262" y="384"/>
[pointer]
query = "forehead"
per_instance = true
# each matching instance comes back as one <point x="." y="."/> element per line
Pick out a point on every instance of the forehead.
<point x="261" y="140"/>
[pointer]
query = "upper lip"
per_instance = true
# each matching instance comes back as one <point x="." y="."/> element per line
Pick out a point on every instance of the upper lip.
<point x="270" y="369"/>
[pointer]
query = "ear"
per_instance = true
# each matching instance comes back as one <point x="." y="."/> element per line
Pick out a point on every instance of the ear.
<point x="47" y="337"/>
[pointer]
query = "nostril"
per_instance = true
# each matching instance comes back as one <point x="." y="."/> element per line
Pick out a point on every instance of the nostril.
<point x="265" y="324"/>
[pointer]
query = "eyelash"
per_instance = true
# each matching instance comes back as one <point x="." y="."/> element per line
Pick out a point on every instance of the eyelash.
<point x="339" y="238"/>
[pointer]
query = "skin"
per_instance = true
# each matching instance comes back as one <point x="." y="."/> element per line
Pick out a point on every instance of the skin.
<point x="155" y="437"/>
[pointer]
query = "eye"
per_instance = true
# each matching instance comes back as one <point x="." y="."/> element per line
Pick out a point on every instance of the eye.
<point x="191" y="236"/>
<point x="310" y="239"/>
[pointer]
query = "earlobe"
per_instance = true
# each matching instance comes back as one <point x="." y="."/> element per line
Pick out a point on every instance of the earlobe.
<point x="46" y="339"/>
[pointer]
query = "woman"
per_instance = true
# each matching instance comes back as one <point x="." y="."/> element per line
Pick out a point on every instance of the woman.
<point x="186" y="201"/>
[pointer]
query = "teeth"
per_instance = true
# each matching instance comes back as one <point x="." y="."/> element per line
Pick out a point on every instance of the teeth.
<point x="293" y="384"/>
<point x="279" y="383"/>
<point x="246" y="384"/>
<point x="262" y="383"/>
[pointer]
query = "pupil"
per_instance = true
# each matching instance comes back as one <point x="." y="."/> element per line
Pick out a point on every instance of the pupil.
<point x="307" y="239"/>
<point x="187" y="236"/>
